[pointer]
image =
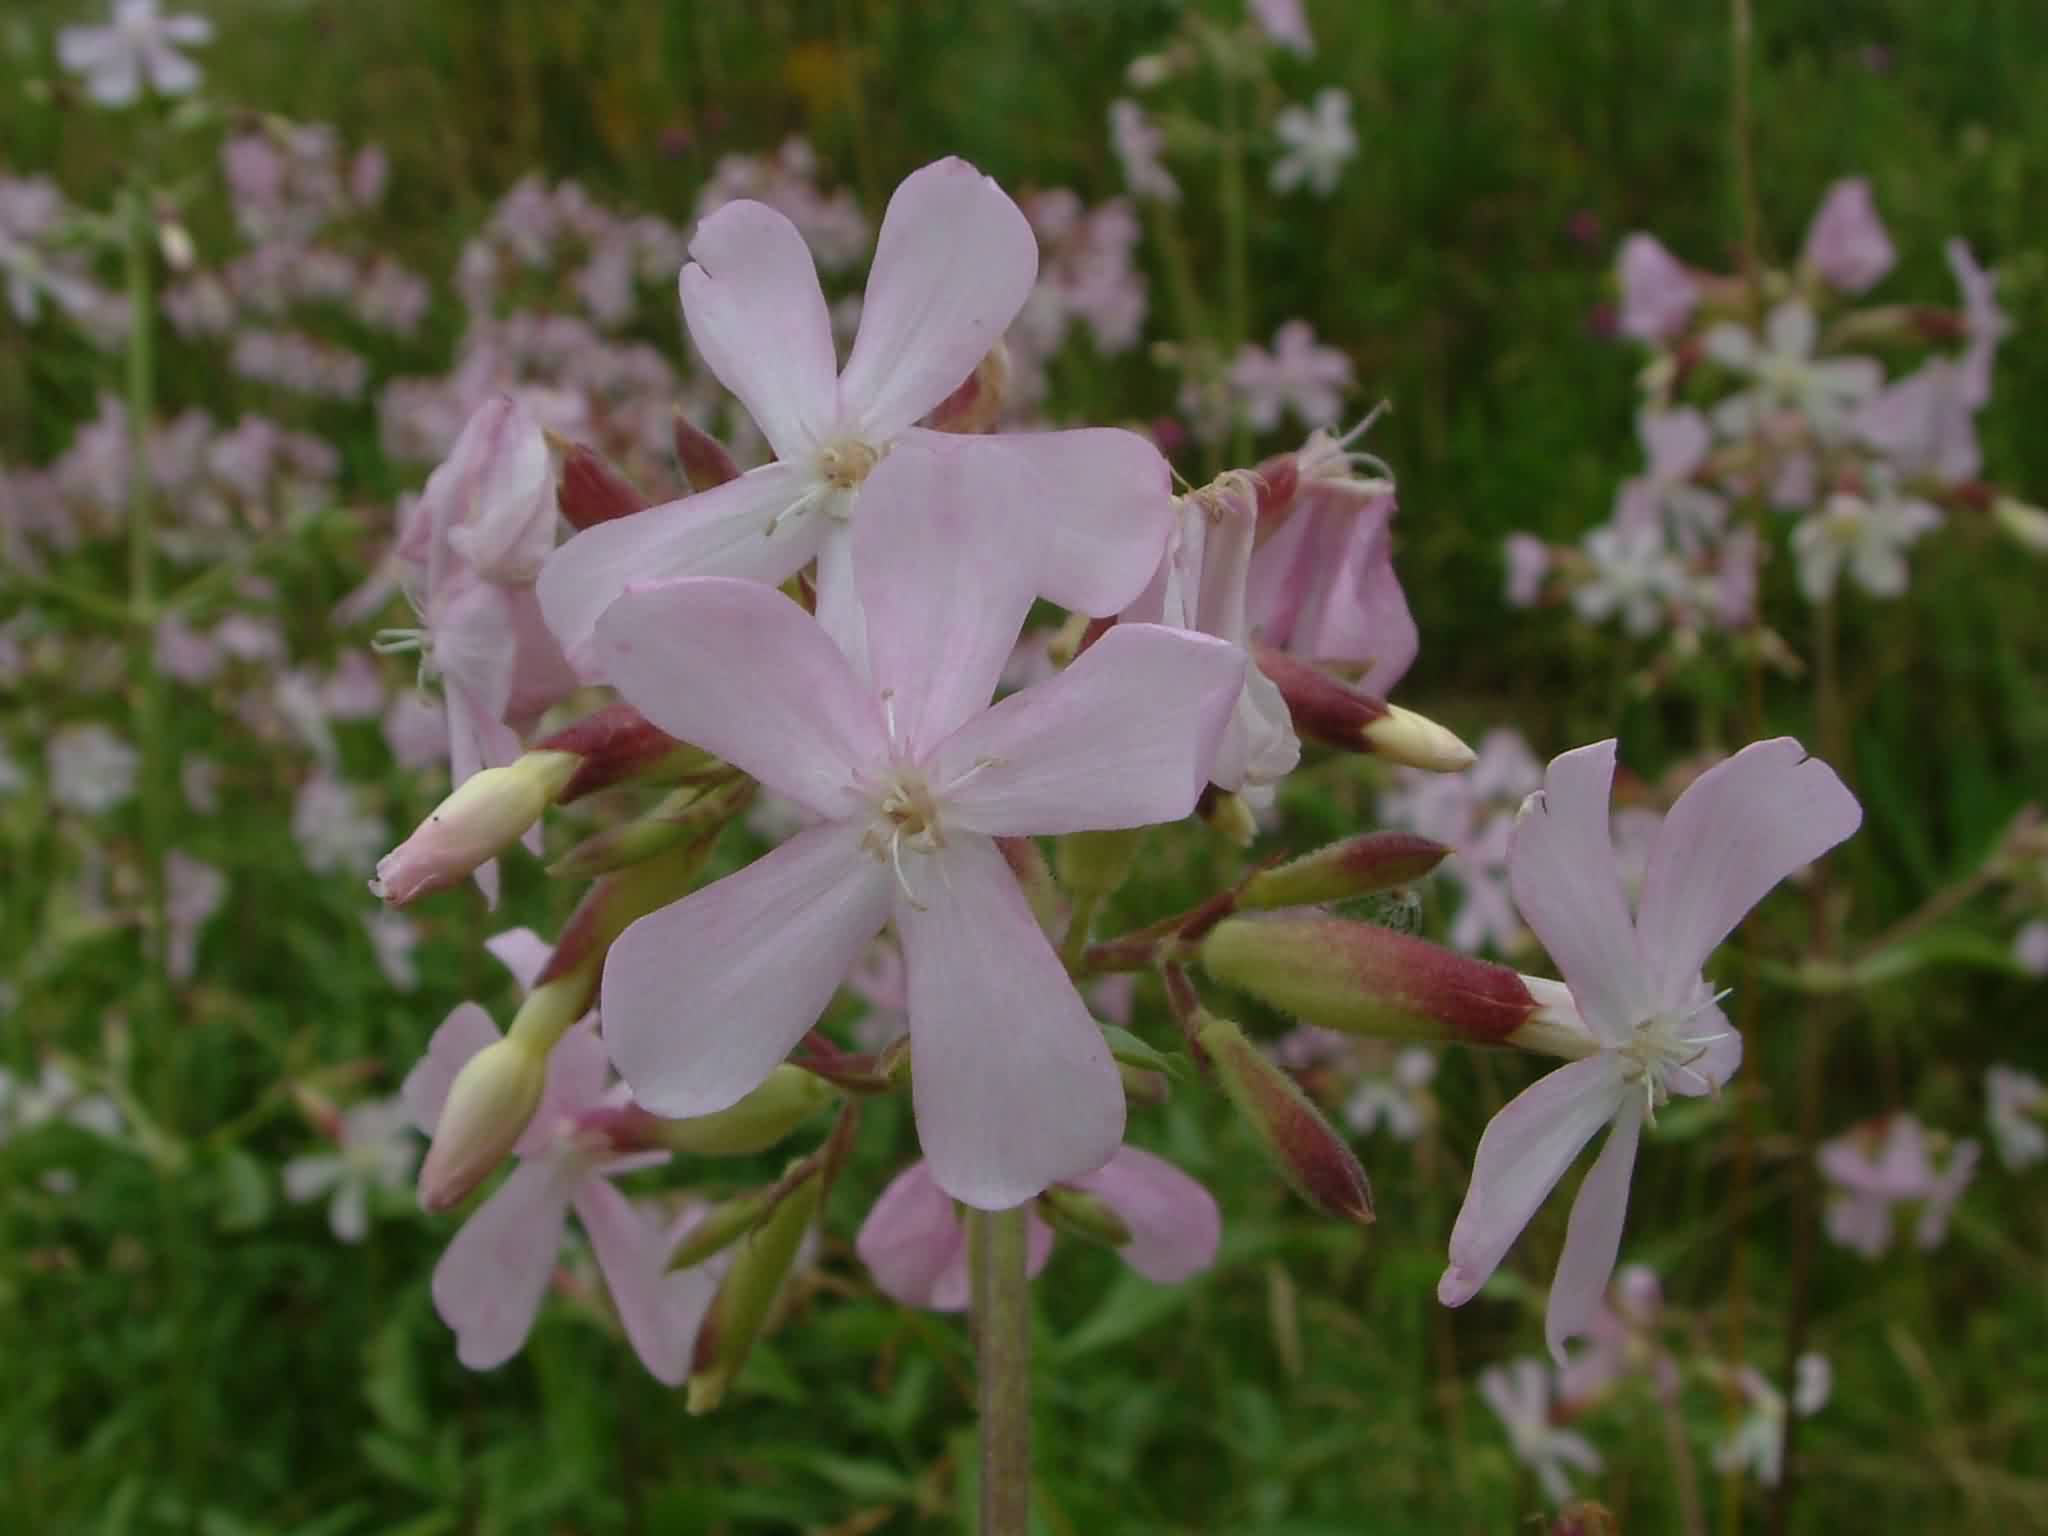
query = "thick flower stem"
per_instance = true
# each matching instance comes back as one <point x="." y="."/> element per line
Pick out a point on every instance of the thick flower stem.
<point x="1002" y="1343"/>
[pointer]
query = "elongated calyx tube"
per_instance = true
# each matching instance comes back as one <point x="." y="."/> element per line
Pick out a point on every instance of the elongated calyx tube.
<point x="1367" y="980"/>
<point x="1305" y="1148"/>
<point x="487" y="813"/>
<point x="590" y="491"/>
<point x="682" y="814"/>
<point x="1357" y="866"/>
<point x="762" y="1261"/>
<point x="619" y="745"/>
<point x="1080" y="1214"/>
<point x="757" y="1122"/>
<point x="1337" y="715"/>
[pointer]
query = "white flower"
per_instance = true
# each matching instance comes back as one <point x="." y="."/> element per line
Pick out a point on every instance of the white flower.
<point x="377" y="1150"/>
<point x="1786" y="375"/>
<point x="1635" y="574"/>
<point x="1870" y="537"/>
<point x="1137" y="142"/>
<point x="115" y="59"/>
<point x="2016" y="1103"/>
<point x="1519" y="1394"/>
<point x="1400" y="1097"/>
<point x="1319" y="143"/>
<point x="1758" y="1443"/>
<point x="91" y="769"/>
<point x="55" y="1095"/>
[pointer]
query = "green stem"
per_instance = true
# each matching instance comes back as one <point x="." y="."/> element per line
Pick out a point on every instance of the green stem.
<point x="1002" y="1341"/>
<point x="1074" y="948"/>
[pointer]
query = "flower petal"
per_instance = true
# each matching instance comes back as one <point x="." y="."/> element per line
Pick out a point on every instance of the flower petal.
<point x="1592" y="1237"/>
<point x="758" y="317"/>
<point x="1739" y="828"/>
<point x="913" y="1243"/>
<point x="578" y="1071"/>
<point x="1561" y="871"/>
<point x="1012" y="1081"/>
<point x="702" y="998"/>
<point x="720" y="532"/>
<point x="522" y="952"/>
<point x="488" y="1285"/>
<point x="954" y="263"/>
<point x="661" y="1312"/>
<point x="1522" y="1154"/>
<point x="462" y="1034"/>
<point x="945" y="576"/>
<point x="740" y="670"/>
<point x="1124" y="737"/>
<point x="1099" y="500"/>
<point x="1175" y="1225"/>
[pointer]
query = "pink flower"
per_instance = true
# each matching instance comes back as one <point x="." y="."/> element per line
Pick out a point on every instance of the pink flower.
<point x="1846" y="243"/>
<point x="915" y="1245"/>
<point x="1647" y="1022"/>
<point x="913" y="776"/>
<point x="1137" y="142"/>
<point x="1675" y="443"/>
<point x="1284" y="24"/>
<point x="1528" y="562"/>
<point x="115" y="59"/>
<point x="1319" y="142"/>
<point x="1868" y="537"/>
<point x="489" y="1284"/>
<point x="1879" y="1168"/>
<point x="1924" y="423"/>
<point x="1758" y="1442"/>
<point x="193" y="893"/>
<point x="1658" y="294"/>
<point x="1785" y="374"/>
<point x="377" y="1151"/>
<point x="1984" y="323"/>
<point x="1296" y="375"/>
<point x="955" y="262"/>
<point x="1519" y="1395"/>
<point x="2030" y="948"/>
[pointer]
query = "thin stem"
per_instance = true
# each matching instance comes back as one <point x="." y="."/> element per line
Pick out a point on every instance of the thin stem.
<point x="1743" y="122"/>
<point x="1684" y="1470"/>
<point x="1236" y="254"/>
<point x="1002" y="1341"/>
<point x="1074" y="948"/>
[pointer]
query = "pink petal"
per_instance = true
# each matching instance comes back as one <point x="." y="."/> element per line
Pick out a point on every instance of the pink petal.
<point x="1123" y="738"/>
<point x="661" y="1312"/>
<point x="1099" y="499"/>
<point x="1592" y="1237"/>
<point x="473" y="645"/>
<point x="720" y="532"/>
<point x="1175" y="1225"/>
<point x="758" y="317"/>
<point x="702" y="998"/>
<point x="488" y="1285"/>
<point x="578" y="1072"/>
<point x="913" y="1243"/>
<point x="954" y="264"/>
<point x="1522" y="1154"/>
<point x="1561" y="871"/>
<point x="946" y="576"/>
<point x="462" y="1034"/>
<point x="522" y="952"/>
<point x="1739" y="828"/>
<point x="1012" y="1081"/>
<point x="740" y="670"/>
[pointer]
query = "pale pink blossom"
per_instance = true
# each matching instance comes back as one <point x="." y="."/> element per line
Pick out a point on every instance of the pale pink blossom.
<point x="1138" y="142"/>
<point x="489" y="1284"/>
<point x="392" y="940"/>
<point x="1866" y="535"/>
<point x="1924" y="424"/>
<point x="1528" y="563"/>
<point x="1634" y="572"/>
<point x="955" y="261"/>
<point x="140" y="45"/>
<point x="1621" y="1341"/>
<point x="2016" y="1108"/>
<point x="90" y="769"/>
<point x="1319" y="142"/>
<point x="832" y="224"/>
<point x="1399" y="1098"/>
<point x="193" y="893"/>
<point x="1646" y="1023"/>
<point x="1879" y="1169"/>
<point x="913" y="775"/>
<point x="1984" y="323"/>
<point x="1285" y="25"/>
<point x="2030" y="947"/>
<point x="1757" y="1444"/>
<point x="1784" y="374"/>
<point x="1846" y="244"/>
<point x="1675" y="444"/>
<point x="416" y="729"/>
<point x="1519" y="1393"/>
<point x="914" y="1243"/>
<point x="335" y="829"/>
<point x="377" y="1150"/>
<point x="199" y="780"/>
<point x="1298" y="375"/>
<point x="1658" y="294"/>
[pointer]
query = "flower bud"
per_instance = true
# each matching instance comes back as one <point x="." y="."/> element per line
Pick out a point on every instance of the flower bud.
<point x="1328" y="711"/>
<point x="1416" y="741"/>
<point x="488" y="812"/>
<point x="974" y="406"/>
<point x="489" y="1104"/>
<point x="1303" y="1147"/>
<point x="682" y="814"/>
<point x="1228" y="815"/>
<point x="757" y="1122"/>
<point x="1374" y="861"/>
<point x="705" y="463"/>
<point x="1096" y="863"/>
<point x="590" y="491"/>
<point x="618" y="745"/>
<point x="761" y="1263"/>
<point x="722" y="1226"/>
<point x="1144" y="1086"/>
<point x="2029" y="525"/>
<point x="1080" y="1214"/>
<point x="1367" y="980"/>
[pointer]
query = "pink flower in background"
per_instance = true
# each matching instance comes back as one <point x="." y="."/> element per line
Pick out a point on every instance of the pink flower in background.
<point x="955" y="262"/>
<point x="915" y="1245"/>
<point x="1924" y="424"/>
<point x="1399" y="1098"/>
<point x="2016" y="1108"/>
<point x="91" y="770"/>
<point x="1319" y="142"/>
<point x="193" y="893"/>
<point x="1633" y="992"/>
<point x="1868" y="537"/>
<point x="1297" y="375"/>
<point x="1658" y="294"/>
<point x="1621" y="1341"/>
<point x="392" y="939"/>
<point x="335" y="829"/>
<point x="1984" y="323"/>
<point x="1528" y="563"/>
<point x="1634" y="572"/>
<point x="1846" y="243"/>
<point x="913" y="775"/>
<point x="1675" y="444"/>
<point x="832" y="224"/>
<point x="1879" y="1168"/>
<point x="489" y="1284"/>
<point x="1757" y="1445"/>
<point x="1137" y="142"/>
<point x="140" y="45"/>
<point x="1785" y="375"/>
<point x="2030" y="948"/>
<point x="1285" y="25"/>
<point x="1519" y="1394"/>
<point x="377" y="1151"/>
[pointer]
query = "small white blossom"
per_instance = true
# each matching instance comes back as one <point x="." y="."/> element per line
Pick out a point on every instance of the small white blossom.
<point x="377" y="1151"/>
<point x="1319" y="143"/>
<point x="91" y="769"/>
<point x="114" y="60"/>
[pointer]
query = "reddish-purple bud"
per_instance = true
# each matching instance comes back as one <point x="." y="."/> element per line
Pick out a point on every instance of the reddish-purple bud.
<point x="974" y="406"/>
<point x="1367" y="980"/>
<point x="590" y="491"/>
<point x="1373" y="861"/>
<point x="1326" y="710"/>
<point x="1315" y="1161"/>
<point x="704" y="460"/>
<point x="618" y="745"/>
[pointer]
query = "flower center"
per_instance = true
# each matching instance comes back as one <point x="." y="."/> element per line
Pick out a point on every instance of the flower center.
<point x="1665" y="1044"/>
<point x="844" y="462"/>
